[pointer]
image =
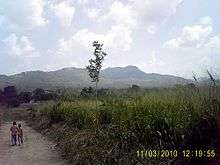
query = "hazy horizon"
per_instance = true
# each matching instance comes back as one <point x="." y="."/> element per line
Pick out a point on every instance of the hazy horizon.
<point x="156" y="36"/>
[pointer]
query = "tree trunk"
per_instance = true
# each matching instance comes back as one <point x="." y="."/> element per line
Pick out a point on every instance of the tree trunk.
<point x="96" y="94"/>
<point x="96" y="97"/>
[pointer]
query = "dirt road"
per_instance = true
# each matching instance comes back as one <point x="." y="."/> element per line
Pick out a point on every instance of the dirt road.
<point x="36" y="150"/>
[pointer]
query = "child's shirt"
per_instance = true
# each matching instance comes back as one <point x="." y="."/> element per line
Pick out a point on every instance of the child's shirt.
<point x="13" y="130"/>
<point x="20" y="132"/>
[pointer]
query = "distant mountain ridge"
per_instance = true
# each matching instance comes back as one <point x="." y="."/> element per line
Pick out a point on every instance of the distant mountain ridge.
<point x="116" y="77"/>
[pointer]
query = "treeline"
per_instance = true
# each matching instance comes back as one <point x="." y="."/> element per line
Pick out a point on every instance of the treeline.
<point x="11" y="97"/>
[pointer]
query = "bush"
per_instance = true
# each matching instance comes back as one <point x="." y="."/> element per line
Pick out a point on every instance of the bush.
<point x="87" y="92"/>
<point x="38" y="94"/>
<point x="1" y="95"/>
<point x="42" y="95"/>
<point x="10" y="92"/>
<point x="13" y="102"/>
<point x="25" y="97"/>
<point x="49" y="96"/>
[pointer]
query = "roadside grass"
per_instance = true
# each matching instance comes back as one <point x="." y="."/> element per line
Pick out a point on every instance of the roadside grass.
<point x="13" y="114"/>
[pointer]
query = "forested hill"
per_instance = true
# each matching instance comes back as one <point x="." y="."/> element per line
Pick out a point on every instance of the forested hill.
<point x="117" y="77"/>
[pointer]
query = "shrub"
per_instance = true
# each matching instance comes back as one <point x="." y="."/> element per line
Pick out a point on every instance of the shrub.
<point x="87" y="92"/>
<point x="13" y="102"/>
<point x="38" y="94"/>
<point x="25" y="97"/>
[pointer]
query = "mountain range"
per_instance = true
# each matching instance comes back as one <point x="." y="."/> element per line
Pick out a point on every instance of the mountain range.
<point x="116" y="77"/>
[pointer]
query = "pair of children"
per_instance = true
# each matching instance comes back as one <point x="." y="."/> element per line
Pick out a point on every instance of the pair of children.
<point x="16" y="131"/>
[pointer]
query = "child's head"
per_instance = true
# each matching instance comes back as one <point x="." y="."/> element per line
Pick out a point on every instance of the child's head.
<point x="14" y="123"/>
<point x="19" y="125"/>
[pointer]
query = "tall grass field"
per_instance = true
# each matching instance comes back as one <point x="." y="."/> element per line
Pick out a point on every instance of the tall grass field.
<point x="126" y="123"/>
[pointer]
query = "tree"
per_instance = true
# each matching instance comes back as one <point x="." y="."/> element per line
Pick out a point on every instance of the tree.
<point x="10" y="92"/>
<point x="1" y="95"/>
<point x="50" y="96"/>
<point x="87" y="92"/>
<point x="103" y="92"/>
<point x="135" y="88"/>
<point x="25" y="97"/>
<point x="11" y="96"/>
<point x="95" y="65"/>
<point x="38" y="94"/>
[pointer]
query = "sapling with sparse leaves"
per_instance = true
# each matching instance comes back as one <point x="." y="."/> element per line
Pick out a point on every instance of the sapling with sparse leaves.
<point x="95" y="65"/>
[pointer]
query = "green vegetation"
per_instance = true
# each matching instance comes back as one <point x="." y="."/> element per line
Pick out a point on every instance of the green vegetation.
<point x="130" y="120"/>
<point x="95" y="65"/>
<point x="12" y="98"/>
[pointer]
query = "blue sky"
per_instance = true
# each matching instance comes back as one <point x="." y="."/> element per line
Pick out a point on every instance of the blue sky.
<point x="178" y="37"/>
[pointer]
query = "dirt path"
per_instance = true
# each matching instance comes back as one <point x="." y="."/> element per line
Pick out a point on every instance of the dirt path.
<point x="36" y="150"/>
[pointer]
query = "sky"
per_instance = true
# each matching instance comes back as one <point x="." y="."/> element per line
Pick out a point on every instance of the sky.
<point x="178" y="37"/>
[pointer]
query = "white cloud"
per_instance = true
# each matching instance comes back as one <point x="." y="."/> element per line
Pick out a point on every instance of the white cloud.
<point x="193" y="36"/>
<point x="23" y="13"/>
<point x="214" y="42"/>
<point x="197" y="46"/>
<point x="82" y="39"/>
<point x="2" y="19"/>
<point x="206" y="20"/>
<point x="64" y="11"/>
<point x="139" y="13"/>
<point x="119" y="38"/>
<point x="173" y="43"/>
<point x="155" y="12"/>
<point x="154" y="61"/>
<point x="82" y="2"/>
<point x="154" y="64"/>
<point x="21" y="47"/>
<point x="93" y="13"/>
<point x="125" y="18"/>
<point x="122" y="14"/>
<point x="152" y="29"/>
<point x="130" y="16"/>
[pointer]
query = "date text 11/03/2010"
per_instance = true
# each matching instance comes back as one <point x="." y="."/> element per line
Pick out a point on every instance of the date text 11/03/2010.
<point x="175" y="153"/>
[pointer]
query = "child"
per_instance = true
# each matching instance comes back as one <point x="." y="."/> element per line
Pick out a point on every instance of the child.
<point x="14" y="134"/>
<point x="20" y="135"/>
